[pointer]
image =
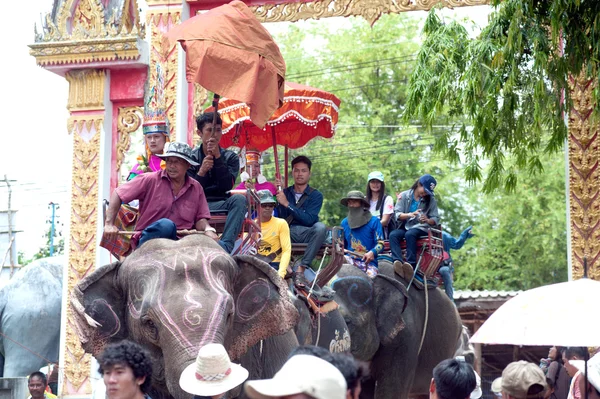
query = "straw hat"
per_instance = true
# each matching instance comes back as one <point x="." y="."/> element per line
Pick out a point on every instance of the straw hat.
<point x="213" y="373"/>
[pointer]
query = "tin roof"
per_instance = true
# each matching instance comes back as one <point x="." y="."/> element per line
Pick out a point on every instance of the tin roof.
<point x="491" y="294"/>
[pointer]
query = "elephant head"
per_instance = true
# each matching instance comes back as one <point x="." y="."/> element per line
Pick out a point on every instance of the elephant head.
<point x="174" y="297"/>
<point x="372" y="308"/>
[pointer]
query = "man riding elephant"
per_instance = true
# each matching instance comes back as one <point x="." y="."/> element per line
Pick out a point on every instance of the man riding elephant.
<point x="169" y="200"/>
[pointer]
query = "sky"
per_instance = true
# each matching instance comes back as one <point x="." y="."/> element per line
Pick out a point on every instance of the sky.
<point x="38" y="154"/>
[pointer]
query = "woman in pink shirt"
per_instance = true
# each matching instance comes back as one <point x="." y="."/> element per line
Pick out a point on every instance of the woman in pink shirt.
<point x="156" y="135"/>
<point x="252" y="178"/>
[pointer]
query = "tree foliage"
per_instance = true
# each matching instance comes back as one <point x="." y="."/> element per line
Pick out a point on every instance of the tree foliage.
<point x="507" y="89"/>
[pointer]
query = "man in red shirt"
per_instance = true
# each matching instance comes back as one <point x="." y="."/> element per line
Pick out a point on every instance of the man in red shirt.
<point x="169" y="200"/>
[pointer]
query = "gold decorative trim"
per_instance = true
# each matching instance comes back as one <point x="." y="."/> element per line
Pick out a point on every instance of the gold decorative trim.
<point x="371" y="10"/>
<point x="128" y="121"/>
<point x="160" y="21"/>
<point x="164" y="2"/>
<point x="82" y="251"/>
<point x="81" y="34"/>
<point x="86" y="90"/>
<point x="584" y="178"/>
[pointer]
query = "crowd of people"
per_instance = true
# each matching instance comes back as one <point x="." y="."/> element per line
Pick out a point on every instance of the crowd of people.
<point x="187" y="185"/>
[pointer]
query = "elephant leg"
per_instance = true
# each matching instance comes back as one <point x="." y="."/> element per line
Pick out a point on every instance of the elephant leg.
<point x="394" y="378"/>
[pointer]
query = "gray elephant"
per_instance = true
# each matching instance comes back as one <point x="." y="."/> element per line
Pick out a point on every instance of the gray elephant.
<point x="386" y="324"/>
<point x="175" y="296"/>
<point x="30" y="304"/>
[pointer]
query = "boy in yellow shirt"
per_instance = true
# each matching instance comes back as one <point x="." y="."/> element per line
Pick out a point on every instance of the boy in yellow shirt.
<point x="275" y="247"/>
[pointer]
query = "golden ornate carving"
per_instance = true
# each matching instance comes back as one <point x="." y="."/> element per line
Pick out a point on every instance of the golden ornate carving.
<point x="81" y="33"/>
<point x="86" y="89"/>
<point x="160" y="21"/>
<point x="584" y="178"/>
<point x="82" y="251"/>
<point x="371" y="10"/>
<point x="128" y="121"/>
<point x="86" y="93"/>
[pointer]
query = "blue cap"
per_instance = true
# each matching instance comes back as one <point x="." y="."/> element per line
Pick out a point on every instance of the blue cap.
<point x="428" y="183"/>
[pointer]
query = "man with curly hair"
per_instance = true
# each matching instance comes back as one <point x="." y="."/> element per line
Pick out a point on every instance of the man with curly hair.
<point x="127" y="371"/>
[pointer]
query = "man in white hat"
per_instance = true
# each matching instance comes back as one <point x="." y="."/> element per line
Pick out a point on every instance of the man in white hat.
<point x="592" y="384"/>
<point x="452" y="379"/>
<point x="169" y="200"/>
<point x="301" y="377"/>
<point x="523" y="380"/>
<point x="213" y="374"/>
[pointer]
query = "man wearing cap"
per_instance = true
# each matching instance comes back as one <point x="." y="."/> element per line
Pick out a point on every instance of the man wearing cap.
<point x="416" y="211"/>
<point x="216" y="169"/>
<point x="169" y="200"/>
<point x="301" y="377"/>
<point x="363" y="233"/>
<point x="452" y="379"/>
<point x="522" y="380"/>
<point x="275" y="247"/>
<point x="213" y="374"/>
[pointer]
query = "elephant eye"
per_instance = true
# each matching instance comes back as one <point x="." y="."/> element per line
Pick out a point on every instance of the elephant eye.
<point x="150" y="327"/>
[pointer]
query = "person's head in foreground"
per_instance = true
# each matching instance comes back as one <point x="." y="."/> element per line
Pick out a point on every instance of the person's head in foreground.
<point x="452" y="379"/>
<point x="352" y="371"/>
<point x="301" y="377"/>
<point x="592" y="385"/>
<point x="127" y="370"/>
<point x="570" y="354"/>
<point x="213" y="374"/>
<point x="37" y="383"/>
<point x="523" y="380"/>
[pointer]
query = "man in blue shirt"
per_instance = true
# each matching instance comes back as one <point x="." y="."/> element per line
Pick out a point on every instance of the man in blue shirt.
<point x="300" y="205"/>
<point x="447" y="268"/>
<point x="363" y="233"/>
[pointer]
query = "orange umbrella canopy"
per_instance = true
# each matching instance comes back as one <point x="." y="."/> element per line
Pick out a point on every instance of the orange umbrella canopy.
<point x="230" y="53"/>
<point x="306" y="113"/>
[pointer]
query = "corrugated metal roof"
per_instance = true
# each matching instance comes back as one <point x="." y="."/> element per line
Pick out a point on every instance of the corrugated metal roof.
<point x="468" y="294"/>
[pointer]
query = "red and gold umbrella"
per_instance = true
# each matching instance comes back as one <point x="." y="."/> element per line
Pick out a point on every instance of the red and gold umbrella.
<point x="306" y="113"/>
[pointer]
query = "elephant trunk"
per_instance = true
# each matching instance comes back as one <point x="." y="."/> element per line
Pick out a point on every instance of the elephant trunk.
<point x="174" y="366"/>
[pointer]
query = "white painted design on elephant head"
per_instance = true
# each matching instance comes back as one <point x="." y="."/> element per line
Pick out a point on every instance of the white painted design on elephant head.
<point x="113" y="316"/>
<point x="340" y="344"/>
<point x="148" y="289"/>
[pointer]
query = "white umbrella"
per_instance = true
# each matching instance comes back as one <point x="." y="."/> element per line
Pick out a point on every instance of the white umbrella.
<point x="530" y="317"/>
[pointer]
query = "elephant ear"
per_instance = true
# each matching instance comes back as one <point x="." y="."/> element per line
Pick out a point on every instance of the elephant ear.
<point x="263" y="307"/>
<point x="392" y="299"/>
<point x="99" y="309"/>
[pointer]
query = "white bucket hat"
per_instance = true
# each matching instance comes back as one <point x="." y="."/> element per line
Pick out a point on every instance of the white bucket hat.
<point x="593" y="369"/>
<point x="213" y="373"/>
<point x="301" y="374"/>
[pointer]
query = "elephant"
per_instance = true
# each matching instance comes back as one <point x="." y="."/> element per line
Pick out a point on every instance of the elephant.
<point x="30" y="304"/>
<point x="386" y="325"/>
<point x="172" y="297"/>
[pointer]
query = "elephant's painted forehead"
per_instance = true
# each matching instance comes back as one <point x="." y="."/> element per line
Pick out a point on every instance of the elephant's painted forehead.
<point x="192" y="261"/>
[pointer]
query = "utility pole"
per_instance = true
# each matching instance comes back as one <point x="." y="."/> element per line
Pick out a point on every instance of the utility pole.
<point x="52" y="224"/>
<point x="10" y="226"/>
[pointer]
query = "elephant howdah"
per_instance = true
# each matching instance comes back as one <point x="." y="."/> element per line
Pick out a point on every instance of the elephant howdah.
<point x="175" y="296"/>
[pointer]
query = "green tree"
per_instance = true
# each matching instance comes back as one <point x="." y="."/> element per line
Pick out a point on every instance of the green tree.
<point x="44" y="252"/>
<point x="521" y="237"/>
<point x="367" y="68"/>
<point x="504" y="88"/>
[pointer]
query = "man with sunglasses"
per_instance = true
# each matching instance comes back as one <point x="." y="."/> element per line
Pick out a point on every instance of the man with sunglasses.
<point x="275" y="247"/>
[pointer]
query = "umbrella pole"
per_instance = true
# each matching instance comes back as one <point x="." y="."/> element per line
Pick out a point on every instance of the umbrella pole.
<point x="286" y="163"/>
<point x="215" y="105"/>
<point x="277" y="171"/>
